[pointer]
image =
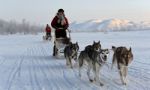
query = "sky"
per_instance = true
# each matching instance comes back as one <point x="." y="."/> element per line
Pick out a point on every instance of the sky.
<point x="42" y="11"/>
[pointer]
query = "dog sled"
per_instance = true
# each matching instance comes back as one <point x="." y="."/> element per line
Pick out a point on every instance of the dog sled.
<point x="60" y="44"/>
<point x="47" y="37"/>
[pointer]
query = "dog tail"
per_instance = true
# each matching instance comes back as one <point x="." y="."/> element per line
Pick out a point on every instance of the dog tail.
<point x="114" y="57"/>
<point x="80" y="59"/>
<point x="114" y="48"/>
<point x="113" y="61"/>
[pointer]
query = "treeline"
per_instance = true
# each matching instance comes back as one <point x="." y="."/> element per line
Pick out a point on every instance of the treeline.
<point x="14" y="27"/>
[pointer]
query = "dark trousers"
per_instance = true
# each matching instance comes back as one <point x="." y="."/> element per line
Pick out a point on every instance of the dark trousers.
<point x="48" y="33"/>
<point x="60" y="33"/>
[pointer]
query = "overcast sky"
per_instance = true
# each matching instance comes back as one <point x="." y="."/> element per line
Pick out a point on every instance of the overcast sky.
<point x="42" y="11"/>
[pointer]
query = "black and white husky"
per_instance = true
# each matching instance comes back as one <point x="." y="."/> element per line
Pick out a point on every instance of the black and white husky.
<point x="71" y="52"/>
<point x="95" y="61"/>
<point x="123" y="57"/>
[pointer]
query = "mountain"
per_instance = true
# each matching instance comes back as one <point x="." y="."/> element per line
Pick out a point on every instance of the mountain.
<point x="108" y="25"/>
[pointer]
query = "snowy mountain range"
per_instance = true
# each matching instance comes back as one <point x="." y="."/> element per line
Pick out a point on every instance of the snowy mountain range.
<point x="108" y="25"/>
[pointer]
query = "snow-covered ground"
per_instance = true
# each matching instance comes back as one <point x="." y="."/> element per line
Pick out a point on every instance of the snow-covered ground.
<point x="26" y="63"/>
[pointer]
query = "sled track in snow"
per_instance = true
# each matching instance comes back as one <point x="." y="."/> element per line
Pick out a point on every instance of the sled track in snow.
<point x="41" y="61"/>
<point x="136" y="76"/>
<point x="37" y="62"/>
<point x="36" y="83"/>
<point x="45" y="72"/>
<point x="14" y="72"/>
<point x="11" y="76"/>
<point x="36" y="70"/>
<point x="2" y="61"/>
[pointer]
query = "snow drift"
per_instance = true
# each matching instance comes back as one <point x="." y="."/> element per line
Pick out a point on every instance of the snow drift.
<point x="108" y="25"/>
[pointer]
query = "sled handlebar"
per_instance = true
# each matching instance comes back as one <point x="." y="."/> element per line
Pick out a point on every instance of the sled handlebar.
<point x="60" y="28"/>
<point x="69" y="30"/>
<point x="66" y="29"/>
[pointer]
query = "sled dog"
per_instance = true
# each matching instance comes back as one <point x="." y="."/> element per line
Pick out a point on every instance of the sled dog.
<point x="123" y="57"/>
<point x="71" y="52"/>
<point x="96" y="47"/>
<point x="95" y="61"/>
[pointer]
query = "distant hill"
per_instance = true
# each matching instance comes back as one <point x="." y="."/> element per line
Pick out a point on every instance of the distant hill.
<point x="108" y="25"/>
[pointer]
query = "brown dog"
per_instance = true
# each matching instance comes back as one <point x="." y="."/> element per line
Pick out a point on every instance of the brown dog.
<point x="123" y="57"/>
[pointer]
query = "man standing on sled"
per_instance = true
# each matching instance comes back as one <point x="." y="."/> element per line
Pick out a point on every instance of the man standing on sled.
<point x="60" y="24"/>
<point x="48" y="32"/>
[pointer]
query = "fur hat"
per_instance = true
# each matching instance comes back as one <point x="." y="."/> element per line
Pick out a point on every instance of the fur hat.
<point x="61" y="10"/>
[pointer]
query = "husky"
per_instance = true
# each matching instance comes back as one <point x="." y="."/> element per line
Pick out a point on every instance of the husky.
<point x="71" y="52"/>
<point x="123" y="57"/>
<point x="96" y="46"/>
<point x="104" y="55"/>
<point x="95" y="61"/>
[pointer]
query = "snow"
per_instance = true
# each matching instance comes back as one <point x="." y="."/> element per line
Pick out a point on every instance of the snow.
<point x="108" y="25"/>
<point x="26" y="63"/>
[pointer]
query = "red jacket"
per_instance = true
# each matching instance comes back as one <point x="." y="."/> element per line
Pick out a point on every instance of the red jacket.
<point x="48" y="29"/>
<point x="56" y="25"/>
